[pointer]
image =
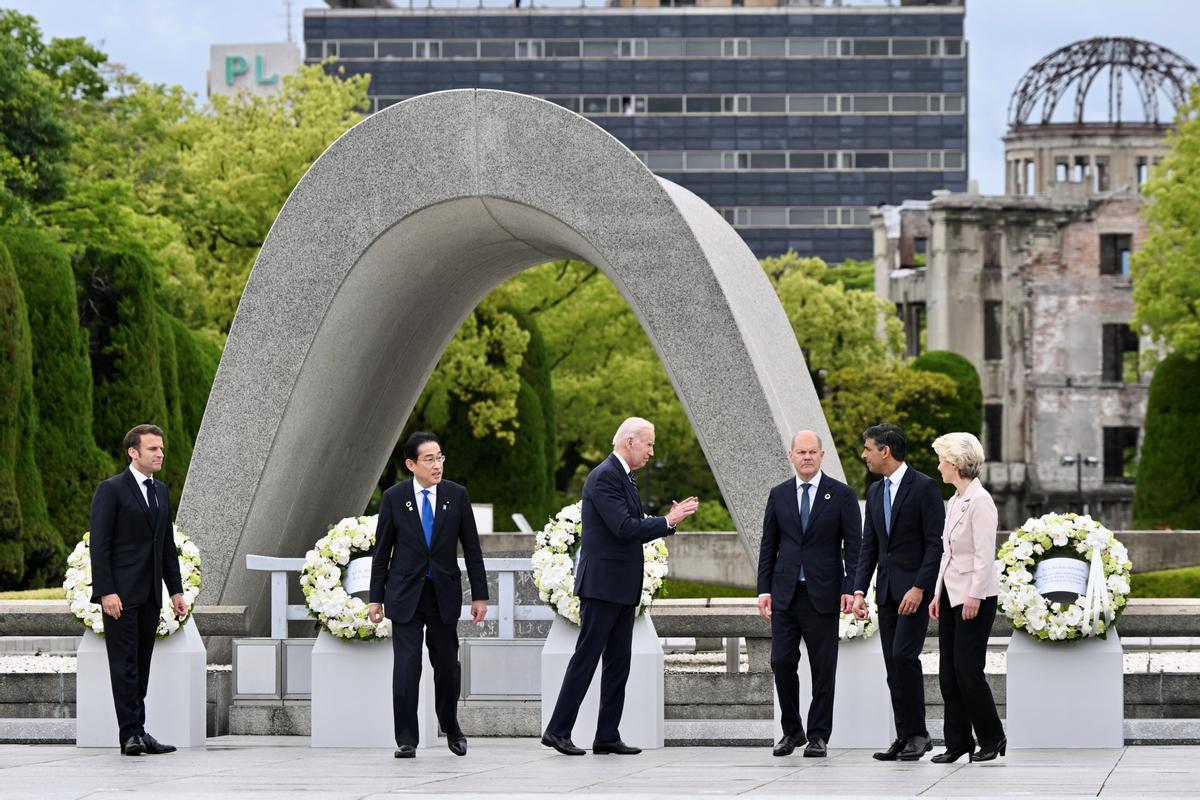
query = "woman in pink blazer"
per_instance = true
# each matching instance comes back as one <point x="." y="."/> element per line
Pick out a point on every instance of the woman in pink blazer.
<point x="964" y="603"/>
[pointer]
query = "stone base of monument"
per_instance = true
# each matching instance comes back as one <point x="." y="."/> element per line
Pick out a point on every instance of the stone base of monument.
<point x="862" y="705"/>
<point x="352" y="694"/>
<point x="642" y="718"/>
<point x="1065" y="694"/>
<point x="175" y="698"/>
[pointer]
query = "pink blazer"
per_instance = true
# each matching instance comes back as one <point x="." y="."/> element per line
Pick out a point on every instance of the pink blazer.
<point x="968" y="565"/>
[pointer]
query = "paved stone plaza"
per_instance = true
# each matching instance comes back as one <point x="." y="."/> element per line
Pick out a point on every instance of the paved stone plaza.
<point x="279" y="768"/>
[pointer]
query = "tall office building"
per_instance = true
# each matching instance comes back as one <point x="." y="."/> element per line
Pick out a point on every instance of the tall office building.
<point x="794" y="119"/>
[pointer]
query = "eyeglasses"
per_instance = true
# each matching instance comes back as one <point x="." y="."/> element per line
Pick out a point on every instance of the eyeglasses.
<point x="429" y="461"/>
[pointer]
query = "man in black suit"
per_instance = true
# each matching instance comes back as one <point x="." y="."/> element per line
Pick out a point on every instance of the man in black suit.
<point x="133" y="553"/>
<point x="812" y="533"/>
<point x="415" y="579"/>
<point x="902" y="535"/>
<point x="608" y="581"/>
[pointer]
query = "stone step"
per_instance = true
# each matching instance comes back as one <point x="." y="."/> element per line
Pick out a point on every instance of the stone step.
<point x="38" y="731"/>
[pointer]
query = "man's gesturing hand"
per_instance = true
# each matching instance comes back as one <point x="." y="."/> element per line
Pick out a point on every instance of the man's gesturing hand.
<point x="681" y="510"/>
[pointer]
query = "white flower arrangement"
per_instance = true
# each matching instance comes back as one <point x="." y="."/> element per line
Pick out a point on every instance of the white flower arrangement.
<point x="850" y="627"/>
<point x="329" y="603"/>
<point x="557" y="546"/>
<point x="1063" y="535"/>
<point x="78" y="585"/>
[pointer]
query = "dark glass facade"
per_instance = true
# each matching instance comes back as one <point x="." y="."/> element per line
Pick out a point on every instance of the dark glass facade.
<point x="790" y="121"/>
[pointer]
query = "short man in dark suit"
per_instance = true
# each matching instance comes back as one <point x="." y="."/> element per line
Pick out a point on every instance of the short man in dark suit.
<point x="812" y="533"/>
<point x="416" y="581"/>
<point x="133" y="553"/>
<point x="608" y="581"/>
<point x="902" y="535"/>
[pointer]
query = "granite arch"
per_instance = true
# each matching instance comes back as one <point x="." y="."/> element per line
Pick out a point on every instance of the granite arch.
<point x="392" y="237"/>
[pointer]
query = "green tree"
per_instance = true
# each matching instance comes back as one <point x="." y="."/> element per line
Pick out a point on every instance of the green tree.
<point x="67" y="457"/>
<point x="1168" y="487"/>
<point x="1166" y="280"/>
<point x="964" y="412"/>
<point x="860" y="397"/>
<point x="853" y="274"/>
<point x="837" y="328"/>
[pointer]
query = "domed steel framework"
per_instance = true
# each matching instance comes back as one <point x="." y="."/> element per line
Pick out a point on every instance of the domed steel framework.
<point x="1150" y="67"/>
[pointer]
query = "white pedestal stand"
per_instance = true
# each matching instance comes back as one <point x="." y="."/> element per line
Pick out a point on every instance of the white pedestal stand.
<point x="642" y="718"/>
<point x="175" y="699"/>
<point x="352" y="694"/>
<point x="862" y="705"/>
<point x="1065" y="694"/>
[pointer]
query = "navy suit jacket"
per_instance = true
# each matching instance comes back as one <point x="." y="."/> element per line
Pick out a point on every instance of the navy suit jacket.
<point x="402" y="560"/>
<point x="131" y="557"/>
<point x="828" y="550"/>
<point x="911" y="555"/>
<point x="611" y="559"/>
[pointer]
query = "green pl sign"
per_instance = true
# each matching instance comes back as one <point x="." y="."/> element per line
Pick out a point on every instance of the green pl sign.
<point x="236" y="66"/>
<point x="257" y="68"/>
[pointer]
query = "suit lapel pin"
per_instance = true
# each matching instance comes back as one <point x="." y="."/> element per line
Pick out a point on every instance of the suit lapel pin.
<point x="446" y="506"/>
<point x="408" y="505"/>
<point x="827" y="496"/>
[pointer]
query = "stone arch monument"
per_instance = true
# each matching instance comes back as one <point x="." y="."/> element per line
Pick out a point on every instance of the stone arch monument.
<point x="385" y="246"/>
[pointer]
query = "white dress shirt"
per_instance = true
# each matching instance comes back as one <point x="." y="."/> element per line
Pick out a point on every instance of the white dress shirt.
<point x="417" y="489"/>
<point x="139" y="477"/>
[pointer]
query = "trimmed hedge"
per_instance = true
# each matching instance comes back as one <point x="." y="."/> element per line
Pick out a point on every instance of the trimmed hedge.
<point x="121" y="318"/>
<point x="67" y="457"/>
<point x="1168" y="486"/>
<point x="31" y="551"/>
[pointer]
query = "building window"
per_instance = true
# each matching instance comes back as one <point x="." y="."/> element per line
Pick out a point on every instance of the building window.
<point x="1114" y="253"/>
<point x="1120" y="454"/>
<point x="913" y="316"/>
<point x="1120" y="359"/>
<point x="991" y="250"/>
<point x="993" y="330"/>
<point x="993" y="431"/>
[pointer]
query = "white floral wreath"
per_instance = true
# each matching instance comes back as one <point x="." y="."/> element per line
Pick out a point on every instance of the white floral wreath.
<point x="78" y="586"/>
<point x="851" y="627"/>
<point x="554" y="564"/>
<point x="338" y="612"/>
<point x="1093" y="612"/>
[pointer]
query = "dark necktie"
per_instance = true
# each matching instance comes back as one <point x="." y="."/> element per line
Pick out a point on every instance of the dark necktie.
<point x="887" y="506"/>
<point x="151" y="500"/>
<point x="804" y="506"/>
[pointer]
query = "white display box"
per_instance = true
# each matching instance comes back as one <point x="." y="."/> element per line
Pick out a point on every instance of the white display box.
<point x="642" y="718"/>
<point x="175" y="698"/>
<point x="862" y="704"/>
<point x="1065" y="694"/>
<point x="352" y="694"/>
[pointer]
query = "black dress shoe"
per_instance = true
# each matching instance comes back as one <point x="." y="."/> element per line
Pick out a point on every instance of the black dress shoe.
<point x="787" y="745"/>
<point x="916" y="747"/>
<point x="562" y="744"/>
<point x="405" y="751"/>
<point x="990" y="753"/>
<point x="950" y="756"/>
<point x="816" y="748"/>
<point x="892" y="752"/>
<point x="457" y="745"/>
<point x="133" y="746"/>
<point x="154" y="747"/>
<point x="617" y="748"/>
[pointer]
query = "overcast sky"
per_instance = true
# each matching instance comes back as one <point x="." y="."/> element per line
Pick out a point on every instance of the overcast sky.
<point x="167" y="41"/>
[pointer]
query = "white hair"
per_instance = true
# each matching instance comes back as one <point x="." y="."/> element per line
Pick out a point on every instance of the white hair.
<point x="631" y="427"/>
<point x="963" y="450"/>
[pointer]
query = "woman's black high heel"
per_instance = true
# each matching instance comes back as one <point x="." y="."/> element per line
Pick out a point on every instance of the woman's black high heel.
<point x="990" y="753"/>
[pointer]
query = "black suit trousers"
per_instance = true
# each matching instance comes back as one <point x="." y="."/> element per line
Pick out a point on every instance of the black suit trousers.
<point x="820" y="635"/>
<point x="604" y="629"/>
<point x="442" y="640"/>
<point x="902" y="637"/>
<point x="129" y="644"/>
<point x="962" y="649"/>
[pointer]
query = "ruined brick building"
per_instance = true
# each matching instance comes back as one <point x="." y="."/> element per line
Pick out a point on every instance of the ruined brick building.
<point x="1033" y="286"/>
